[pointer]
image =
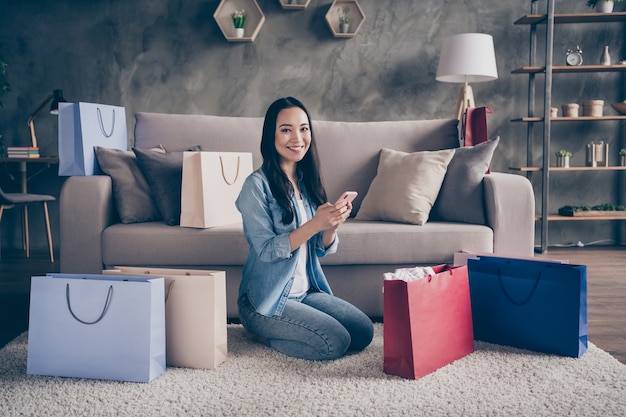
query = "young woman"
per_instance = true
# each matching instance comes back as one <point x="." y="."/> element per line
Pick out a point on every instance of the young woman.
<point x="284" y="297"/>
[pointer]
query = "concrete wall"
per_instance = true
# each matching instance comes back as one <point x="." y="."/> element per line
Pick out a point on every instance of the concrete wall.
<point x="170" y="56"/>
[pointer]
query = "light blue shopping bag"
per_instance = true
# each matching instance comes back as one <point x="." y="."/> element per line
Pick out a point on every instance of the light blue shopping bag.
<point x="83" y="126"/>
<point x="97" y="326"/>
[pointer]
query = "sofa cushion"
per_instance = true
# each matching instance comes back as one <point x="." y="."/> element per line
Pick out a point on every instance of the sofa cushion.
<point x="164" y="172"/>
<point x="156" y="244"/>
<point x="392" y="243"/>
<point x="131" y="190"/>
<point x="406" y="186"/>
<point x="461" y="198"/>
<point x="360" y="243"/>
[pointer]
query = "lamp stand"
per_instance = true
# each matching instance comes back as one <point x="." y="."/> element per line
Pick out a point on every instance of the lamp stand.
<point x="33" y="138"/>
<point x="466" y="99"/>
<point x="56" y="97"/>
<point x="31" y="119"/>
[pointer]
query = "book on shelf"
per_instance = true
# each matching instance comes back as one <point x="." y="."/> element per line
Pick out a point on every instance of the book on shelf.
<point x="36" y="155"/>
<point x="22" y="148"/>
<point x="22" y="152"/>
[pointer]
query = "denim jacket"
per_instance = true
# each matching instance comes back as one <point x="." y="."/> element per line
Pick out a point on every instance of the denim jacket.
<point x="269" y="270"/>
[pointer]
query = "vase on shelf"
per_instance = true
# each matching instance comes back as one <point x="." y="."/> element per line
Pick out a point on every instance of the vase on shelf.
<point x="554" y="112"/>
<point x="606" y="56"/>
<point x="593" y="108"/>
<point x="604" y="6"/>
<point x="344" y="27"/>
<point x="597" y="154"/>
<point x="562" y="161"/>
<point x="622" y="160"/>
<point x="570" y="110"/>
<point x="238" y="32"/>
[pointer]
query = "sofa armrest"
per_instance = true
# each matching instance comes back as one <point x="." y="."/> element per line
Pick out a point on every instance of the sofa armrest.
<point x="510" y="210"/>
<point x="86" y="209"/>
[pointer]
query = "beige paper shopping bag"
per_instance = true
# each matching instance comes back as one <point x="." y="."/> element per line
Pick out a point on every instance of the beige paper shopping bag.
<point x="211" y="183"/>
<point x="195" y="314"/>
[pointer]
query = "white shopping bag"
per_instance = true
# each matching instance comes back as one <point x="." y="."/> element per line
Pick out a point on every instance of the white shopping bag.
<point x="195" y="314"/>
<point x="96" y="326"/>
<point x="211" y="183"/>
<point x="83" y="126"/>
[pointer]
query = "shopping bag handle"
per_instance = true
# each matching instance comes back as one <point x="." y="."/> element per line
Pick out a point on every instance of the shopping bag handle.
<point x="224" y="174"/>
<point x="169" y="290"/>
<point x="104" y="310"/>
<point x="101" y="123"/>
<point x="508" y="296"/>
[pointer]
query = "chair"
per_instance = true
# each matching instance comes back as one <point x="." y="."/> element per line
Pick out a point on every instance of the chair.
<point x="10" y="200"/>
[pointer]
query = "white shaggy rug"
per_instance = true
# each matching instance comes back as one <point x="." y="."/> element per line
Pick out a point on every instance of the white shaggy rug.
<point x="257" y="381"/>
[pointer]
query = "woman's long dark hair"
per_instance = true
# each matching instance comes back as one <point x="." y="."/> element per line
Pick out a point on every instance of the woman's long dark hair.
<point x="308" y="166"/>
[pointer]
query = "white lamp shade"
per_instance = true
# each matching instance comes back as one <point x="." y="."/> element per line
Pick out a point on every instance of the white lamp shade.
<point x="467" y="57"/>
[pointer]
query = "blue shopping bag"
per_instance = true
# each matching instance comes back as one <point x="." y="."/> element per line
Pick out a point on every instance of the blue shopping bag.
<point x="530" y="304"/>
<point x="97" y="326"/>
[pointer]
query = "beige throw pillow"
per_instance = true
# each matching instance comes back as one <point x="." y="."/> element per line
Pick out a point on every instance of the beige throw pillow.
<point x="406" y="186"/>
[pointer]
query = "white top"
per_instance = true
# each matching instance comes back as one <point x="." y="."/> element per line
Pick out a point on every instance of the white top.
<point x="301" y="281"/>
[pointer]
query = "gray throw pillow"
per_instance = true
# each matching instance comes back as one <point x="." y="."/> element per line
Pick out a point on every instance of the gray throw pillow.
<point x="164" y="172"/>
<point x="131" y="191"/>
<point x="461" y="198"/>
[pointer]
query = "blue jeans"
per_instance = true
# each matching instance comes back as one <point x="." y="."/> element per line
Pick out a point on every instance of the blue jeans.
<point x="316" y="326"/>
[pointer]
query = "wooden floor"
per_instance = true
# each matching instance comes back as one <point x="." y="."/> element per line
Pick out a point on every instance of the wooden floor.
<point x="606" y="281"/>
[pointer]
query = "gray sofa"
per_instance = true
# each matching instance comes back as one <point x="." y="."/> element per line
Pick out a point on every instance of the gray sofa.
<point x="92" y="236"/>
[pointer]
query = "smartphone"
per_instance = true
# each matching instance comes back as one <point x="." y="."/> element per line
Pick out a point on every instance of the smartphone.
<point x="347" y="196"/>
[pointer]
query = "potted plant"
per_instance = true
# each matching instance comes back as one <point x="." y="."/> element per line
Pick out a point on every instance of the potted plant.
<point x="622" y="157"/>
<point x="344" y="20"/>
<point x="603" y="6"/>
<point x="562" y="158"/>
<point x="239" y="19"/>
<point x="586" y="210"/>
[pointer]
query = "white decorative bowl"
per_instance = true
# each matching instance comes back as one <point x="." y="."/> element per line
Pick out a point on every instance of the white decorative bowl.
<point x="620" y="107"/>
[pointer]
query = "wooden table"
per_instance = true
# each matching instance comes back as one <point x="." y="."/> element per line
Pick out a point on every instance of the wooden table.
<point x="48" y="160"/>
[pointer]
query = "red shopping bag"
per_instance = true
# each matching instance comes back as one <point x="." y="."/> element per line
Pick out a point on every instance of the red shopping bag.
<point x="474" y="126"/>
<point x="427" y="322"/>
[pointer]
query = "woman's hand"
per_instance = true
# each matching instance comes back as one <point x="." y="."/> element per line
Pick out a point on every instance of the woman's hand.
<point x="330" y="217"/>
<point x="327" y="219"/>
<point x="337" y="214"/>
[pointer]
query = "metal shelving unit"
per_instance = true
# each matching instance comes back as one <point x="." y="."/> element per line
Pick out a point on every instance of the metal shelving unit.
<point x="549" y="19"/>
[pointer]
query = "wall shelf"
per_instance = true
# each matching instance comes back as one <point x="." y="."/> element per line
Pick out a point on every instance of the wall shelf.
<point x="535" y="19"/>
<point x="355" y="15"/>
<point x="254" y="19"/>
<point x="558" y="217"/>
<point x="295" y="4"/>
<point x="570" y="69"/>
<point x="571" y="168"/>
<point x="569" y="119"/>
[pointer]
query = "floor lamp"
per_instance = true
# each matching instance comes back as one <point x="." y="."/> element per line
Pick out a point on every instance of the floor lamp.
<point x="465" y="58"/>
<point x="56" y="97"/>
